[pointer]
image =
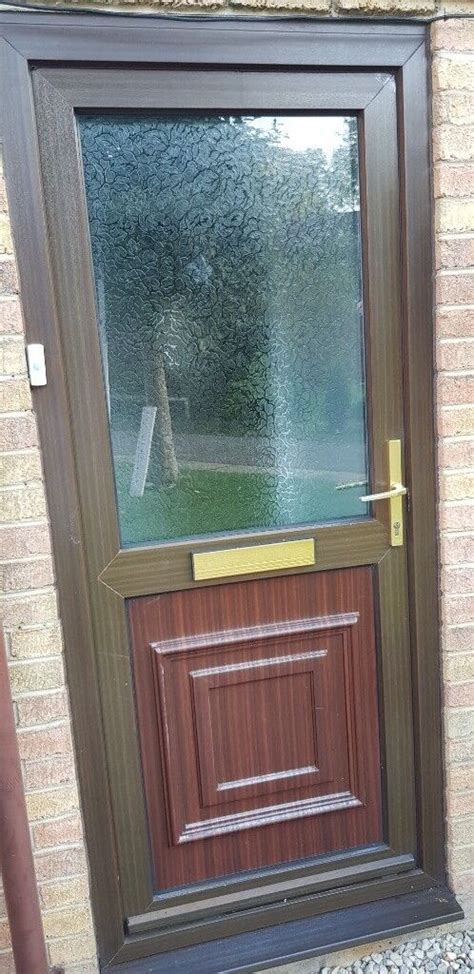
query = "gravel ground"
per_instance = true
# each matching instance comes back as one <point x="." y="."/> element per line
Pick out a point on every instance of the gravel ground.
<point x="451" y="954"/>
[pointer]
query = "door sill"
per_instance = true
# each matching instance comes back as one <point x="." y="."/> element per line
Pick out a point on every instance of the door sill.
<point x="290" y="942"/>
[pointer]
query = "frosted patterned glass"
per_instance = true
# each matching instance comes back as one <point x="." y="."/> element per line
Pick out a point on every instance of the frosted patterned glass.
<point x="227" y="261"/>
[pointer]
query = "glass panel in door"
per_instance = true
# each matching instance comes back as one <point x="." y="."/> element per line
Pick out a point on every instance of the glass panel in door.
<point x="227" y="259"/>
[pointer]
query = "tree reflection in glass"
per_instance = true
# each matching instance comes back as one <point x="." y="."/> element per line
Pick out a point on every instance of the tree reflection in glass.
<point x="227" y="260"/>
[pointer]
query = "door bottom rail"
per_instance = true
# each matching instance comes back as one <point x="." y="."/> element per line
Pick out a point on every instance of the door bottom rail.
<point x="309" y="937"/>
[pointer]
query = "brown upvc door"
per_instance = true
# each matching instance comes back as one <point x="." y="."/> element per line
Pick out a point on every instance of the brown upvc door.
<point x="240" y="314"/>
<point x="228" y="250"/>
<point x="229" y="274"/>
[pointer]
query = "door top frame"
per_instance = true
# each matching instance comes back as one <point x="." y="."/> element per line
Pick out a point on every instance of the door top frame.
<point x="28" y="40"/>
<point x="108" y="38"/>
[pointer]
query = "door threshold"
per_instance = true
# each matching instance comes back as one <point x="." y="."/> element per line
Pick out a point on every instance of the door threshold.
<point x="300" y="939"/>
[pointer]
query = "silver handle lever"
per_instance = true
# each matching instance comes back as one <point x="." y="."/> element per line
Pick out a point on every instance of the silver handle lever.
<point x="396" y="490"/>
<point x="394" y="495"/>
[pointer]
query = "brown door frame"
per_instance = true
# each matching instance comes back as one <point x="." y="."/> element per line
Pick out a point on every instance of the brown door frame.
<point x="28" y="41"/>
<point x="59" y="93"/>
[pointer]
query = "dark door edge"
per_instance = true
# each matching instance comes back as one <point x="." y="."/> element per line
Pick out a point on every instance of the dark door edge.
<point x="300" y="939"/>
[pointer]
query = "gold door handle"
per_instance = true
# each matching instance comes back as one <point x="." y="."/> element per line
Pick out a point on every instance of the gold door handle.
<point x="394" y="494"/>
<point x="396" y="490"/>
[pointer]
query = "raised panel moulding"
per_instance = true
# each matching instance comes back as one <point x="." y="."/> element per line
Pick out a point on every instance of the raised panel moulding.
<point x="249" y="634"/>
<point x="268" y="816"/>
<point x="289" y="687"/>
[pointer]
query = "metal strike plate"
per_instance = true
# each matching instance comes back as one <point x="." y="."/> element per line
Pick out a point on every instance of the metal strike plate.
<point x="252" y="560"/>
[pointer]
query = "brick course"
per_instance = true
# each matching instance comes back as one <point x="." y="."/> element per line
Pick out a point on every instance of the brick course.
<point x="30" y="606"/>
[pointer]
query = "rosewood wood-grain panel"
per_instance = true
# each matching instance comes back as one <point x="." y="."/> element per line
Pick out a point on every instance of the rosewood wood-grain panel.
<point x="257" y="708"/>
